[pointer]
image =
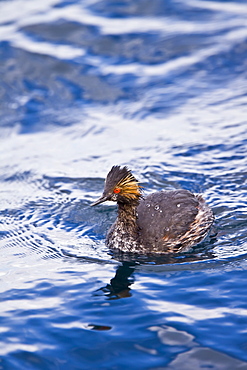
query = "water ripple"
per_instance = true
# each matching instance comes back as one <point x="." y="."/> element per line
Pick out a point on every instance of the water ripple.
<point x="160" y="87"/>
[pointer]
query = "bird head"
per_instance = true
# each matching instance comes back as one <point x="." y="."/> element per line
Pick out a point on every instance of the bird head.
<point x="120" y="186"/>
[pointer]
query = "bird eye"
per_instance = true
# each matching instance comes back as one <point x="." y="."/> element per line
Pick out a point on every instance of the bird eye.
<point x="116" y="190"/>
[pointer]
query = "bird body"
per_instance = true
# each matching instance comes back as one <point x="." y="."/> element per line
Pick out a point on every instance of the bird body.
<point x="163" y="222"/>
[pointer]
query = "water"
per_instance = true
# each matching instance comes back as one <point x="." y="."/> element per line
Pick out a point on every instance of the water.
<point x="159" y="86"/>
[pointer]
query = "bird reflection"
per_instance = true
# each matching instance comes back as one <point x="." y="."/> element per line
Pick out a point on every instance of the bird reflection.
<point x="119" y="286"/>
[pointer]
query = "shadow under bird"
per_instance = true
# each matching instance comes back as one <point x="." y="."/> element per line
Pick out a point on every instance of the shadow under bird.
<point x="163" y="222"/>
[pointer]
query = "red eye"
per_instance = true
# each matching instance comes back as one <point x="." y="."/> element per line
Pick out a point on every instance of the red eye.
<point x="116" y="190"/>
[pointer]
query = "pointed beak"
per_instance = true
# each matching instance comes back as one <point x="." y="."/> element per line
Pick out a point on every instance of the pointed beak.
<point x="100" y="200"/>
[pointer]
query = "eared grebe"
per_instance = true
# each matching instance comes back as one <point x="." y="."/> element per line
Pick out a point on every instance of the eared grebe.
<point x="163" y="222"/>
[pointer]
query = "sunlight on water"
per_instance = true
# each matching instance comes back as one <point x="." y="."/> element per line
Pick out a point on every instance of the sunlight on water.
<point x="159" y="87"/>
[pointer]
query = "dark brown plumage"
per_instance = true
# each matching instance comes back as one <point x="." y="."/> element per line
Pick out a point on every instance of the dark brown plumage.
<point x="163" y="222"/>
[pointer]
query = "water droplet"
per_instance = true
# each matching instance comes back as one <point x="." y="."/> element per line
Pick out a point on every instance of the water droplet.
<point x="160" y="210"/>
<point x="157" y="207"/>
<point x="147" y="205"/>
<point x="167" y="229"/>
<point x="178" y="205"/>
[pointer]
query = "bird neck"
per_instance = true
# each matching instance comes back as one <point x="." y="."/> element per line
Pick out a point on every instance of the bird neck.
<point x="127" y="210"/>
<point x="127" y="217"/>
<point x="124" y="233"/>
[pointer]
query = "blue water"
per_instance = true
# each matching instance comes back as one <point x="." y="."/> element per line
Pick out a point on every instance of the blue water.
<point x="159" y="86"/>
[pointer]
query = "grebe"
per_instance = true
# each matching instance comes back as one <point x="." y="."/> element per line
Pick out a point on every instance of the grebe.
<point x="163" y="222"/>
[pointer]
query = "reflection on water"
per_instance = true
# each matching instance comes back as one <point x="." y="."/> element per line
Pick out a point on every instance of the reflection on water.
<point x="205" y="357"/>
<point x="160" y="87"/>
<point x="119" y="286"/>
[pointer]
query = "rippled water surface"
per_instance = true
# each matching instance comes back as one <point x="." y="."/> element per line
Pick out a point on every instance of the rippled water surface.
<point x="159" y="86"/>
